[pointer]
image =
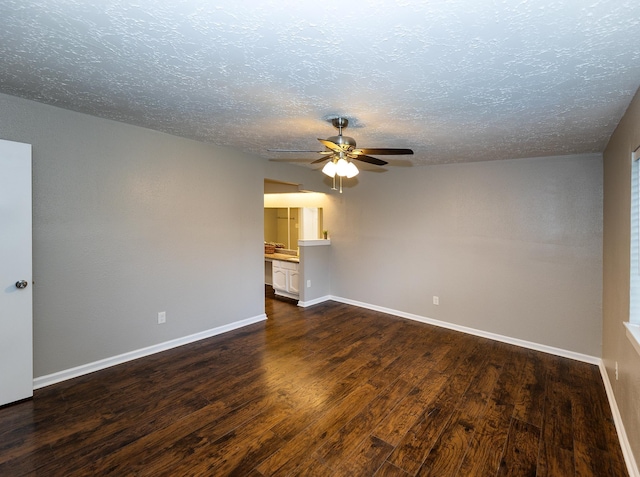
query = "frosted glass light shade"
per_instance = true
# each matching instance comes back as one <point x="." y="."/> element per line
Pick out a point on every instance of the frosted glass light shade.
<point x="330" y="169"/>
<point x="341" y="167"/>
<point x="352" y="170"/>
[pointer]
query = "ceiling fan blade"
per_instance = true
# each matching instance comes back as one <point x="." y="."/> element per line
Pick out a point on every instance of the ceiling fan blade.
<point x="292" y="160"/>
<point x="370" y="160"/>
<point x="293" y="150"/>
<point x="382" y="151"/>
<point x="322" y="159"/>
<point x="331" y="145"/>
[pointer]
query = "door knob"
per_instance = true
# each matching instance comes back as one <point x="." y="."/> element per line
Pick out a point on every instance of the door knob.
<point x="22" y="284"/>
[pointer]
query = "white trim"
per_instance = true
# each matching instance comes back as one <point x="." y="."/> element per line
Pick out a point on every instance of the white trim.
<point x="472" y="331"/>
<point x="313" y="242"/>
<point x="632" y="466"/>
<point x="81" y="370"/>
<point x="315" y="301"/>
<point x="633" y="333"/>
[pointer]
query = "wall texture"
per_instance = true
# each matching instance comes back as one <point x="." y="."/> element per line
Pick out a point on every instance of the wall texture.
<point x="129" y="222"/>
<point x="616" y="272"/>
<point x="510" y="247"/>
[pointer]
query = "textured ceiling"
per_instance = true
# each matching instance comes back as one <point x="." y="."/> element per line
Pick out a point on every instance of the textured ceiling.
<point x="456" y="80"/>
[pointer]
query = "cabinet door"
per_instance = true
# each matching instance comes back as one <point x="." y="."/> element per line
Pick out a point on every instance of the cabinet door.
<point x="279" y="278"/>
<point x="293" y="282"/>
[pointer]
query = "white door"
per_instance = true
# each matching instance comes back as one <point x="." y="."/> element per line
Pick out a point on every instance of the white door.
<point x="16" y="315"/>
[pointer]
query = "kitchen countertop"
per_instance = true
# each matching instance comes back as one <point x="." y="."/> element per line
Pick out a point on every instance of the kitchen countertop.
<point x="285" y="257"/>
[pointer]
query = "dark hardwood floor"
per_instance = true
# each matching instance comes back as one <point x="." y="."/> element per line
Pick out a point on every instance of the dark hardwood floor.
<point x="331" y="390"/>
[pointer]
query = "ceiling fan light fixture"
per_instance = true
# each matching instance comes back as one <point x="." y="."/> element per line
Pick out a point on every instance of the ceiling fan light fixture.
<point x="330" y="169"/>
<point x="352" y="170"/>
<point x="342" y="150"/>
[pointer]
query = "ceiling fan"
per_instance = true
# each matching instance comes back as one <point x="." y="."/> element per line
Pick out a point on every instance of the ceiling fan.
<point x="340" y="150"/>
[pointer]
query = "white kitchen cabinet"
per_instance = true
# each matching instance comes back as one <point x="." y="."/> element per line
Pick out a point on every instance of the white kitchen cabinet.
<point x="286" y="278"/>
<point x="279" y="278"/>
<point x="294" y="279"/>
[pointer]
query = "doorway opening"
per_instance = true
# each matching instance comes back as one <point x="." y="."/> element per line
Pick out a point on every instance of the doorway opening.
<point x="291" y="215"/>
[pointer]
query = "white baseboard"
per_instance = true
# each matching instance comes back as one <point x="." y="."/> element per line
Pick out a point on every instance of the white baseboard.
<point x="632" y="466"/>
<point x="315" y="301"/>
<point x="472" y="331"/>
<point x="60" y="376"/>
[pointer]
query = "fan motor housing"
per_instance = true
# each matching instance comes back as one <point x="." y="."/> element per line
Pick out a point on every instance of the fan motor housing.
<point x="343" y="141"/>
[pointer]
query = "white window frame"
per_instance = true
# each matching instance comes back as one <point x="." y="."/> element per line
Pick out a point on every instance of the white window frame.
<point x="633" y="325"/>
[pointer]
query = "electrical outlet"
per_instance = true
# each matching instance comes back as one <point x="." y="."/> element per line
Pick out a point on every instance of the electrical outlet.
<point x="162" y="317"/>
<point x="616" y="370"/>
<point x="436" y="300"/>
<point x="308" y="283"/>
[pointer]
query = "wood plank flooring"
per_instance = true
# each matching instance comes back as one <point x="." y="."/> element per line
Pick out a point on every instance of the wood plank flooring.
<point x="332" y="390"/>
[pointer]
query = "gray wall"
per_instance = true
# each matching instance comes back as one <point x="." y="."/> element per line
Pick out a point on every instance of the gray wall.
<point x="315" y="265"/>
<point x="129" y="222"/>
<point x="616" y="272"/>
<point x="510" y="247"/>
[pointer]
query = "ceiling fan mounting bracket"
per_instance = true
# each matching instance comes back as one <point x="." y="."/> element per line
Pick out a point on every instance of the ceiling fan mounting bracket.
<point x="336" y="119"/>
<point x="339" y="122"/>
